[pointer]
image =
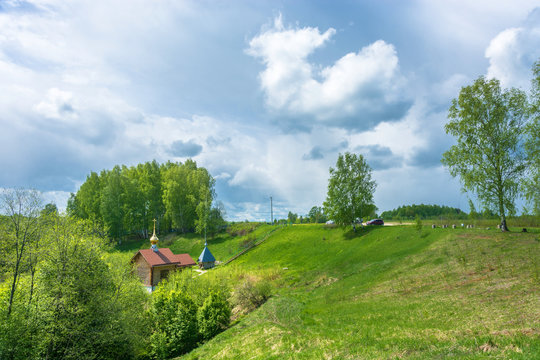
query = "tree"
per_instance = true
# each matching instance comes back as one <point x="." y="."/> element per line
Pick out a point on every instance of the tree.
<point x="316" y="215"/>
<point x="150" y="182"/>
<point x="531" y="183"/>
<point x="488" y="124"/>
<point x="80" y="307"/>
<point x="291" y="217"/>
<point x="21" y="230"/>
<point x="216" y="219"/>
<point x="350" y="190"/>
<point x="418" y="223"/>
<point x="49" y="209"/>
<point x="472" y="210"/>
<point x="112" y="208"/>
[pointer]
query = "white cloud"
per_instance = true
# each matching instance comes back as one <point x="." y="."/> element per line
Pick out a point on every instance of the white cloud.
<point x="59" y="198"/>
<point x="58" y="104"/>
<point x="366" y="86"/>
<point x="471" y="24"/>
<point x="513" y="51"/>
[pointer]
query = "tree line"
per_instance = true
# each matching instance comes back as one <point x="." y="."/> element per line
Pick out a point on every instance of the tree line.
<point x="125" y="200"/>
<point x="409" y="212"/>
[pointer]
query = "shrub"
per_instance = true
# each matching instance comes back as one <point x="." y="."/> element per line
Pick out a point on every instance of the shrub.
<point x="214" y="316"/>
<point x="175" y="324"/>
<point x="418" y="223"/>
<point x="249" y="295"/>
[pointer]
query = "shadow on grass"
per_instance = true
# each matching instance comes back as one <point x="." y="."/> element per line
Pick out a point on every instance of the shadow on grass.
<point x="360" y="231"/>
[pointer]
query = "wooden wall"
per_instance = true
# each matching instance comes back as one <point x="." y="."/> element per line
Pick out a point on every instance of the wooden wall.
<point x="157" y="272"/>
<point x="143" y="270"/>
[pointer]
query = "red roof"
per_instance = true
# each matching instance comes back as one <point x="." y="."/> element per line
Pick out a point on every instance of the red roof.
<point x="164" y="256"/>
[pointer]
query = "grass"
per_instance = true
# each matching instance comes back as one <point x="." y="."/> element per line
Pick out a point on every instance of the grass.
<point x="388" y="293"/>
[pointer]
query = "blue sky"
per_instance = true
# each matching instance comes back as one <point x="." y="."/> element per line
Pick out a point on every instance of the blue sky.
<point x="264" y="94"/>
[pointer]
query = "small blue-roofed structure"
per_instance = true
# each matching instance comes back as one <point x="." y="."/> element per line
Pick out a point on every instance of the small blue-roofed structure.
<point x="206" y="260"/>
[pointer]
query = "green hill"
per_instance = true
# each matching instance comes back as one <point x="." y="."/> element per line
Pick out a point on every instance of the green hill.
<point x="388" y="292"/>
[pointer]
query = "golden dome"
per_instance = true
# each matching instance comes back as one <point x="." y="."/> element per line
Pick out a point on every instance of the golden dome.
<point x="154" y="239"/>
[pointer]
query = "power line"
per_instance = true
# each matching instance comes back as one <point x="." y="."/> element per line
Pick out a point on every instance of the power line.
<point x="271" y="211"/>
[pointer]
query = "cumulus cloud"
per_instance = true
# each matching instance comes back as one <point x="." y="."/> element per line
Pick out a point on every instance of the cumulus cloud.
<point x="513" y="51"/>
<point x="188" y="148"/>
<point x="358" y="91"/>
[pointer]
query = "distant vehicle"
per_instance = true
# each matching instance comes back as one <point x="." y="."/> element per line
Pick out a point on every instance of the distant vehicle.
<point x="375" y="222"/>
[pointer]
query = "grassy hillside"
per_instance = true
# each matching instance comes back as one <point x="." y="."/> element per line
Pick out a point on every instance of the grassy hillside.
<point x="223" y="246"/>
<point x="389" y="292"/>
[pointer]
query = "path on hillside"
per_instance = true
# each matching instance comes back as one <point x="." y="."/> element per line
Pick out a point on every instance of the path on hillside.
<point x="265" y="236"/>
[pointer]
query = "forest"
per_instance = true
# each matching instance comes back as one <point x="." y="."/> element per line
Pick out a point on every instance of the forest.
<point x="124" y="201"/>
<point x="409" y="212"/>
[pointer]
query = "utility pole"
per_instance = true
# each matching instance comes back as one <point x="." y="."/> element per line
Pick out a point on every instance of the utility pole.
<point x="271" y="212"/>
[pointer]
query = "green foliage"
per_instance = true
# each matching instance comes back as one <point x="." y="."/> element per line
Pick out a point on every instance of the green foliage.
<point x="49" y="209"/>
<point x="75" y="306"/>
<point x="316" y="215"/>
<point x="350" y="190"/>
<point x="112" y="203"/>
<point x="198" y="287"/>
<point x="216" y="219"/>
<point x="188" y="192"/>
<point x="409" y="212"/>
<point x="175" y="324"/>
<point x="488" y="124"/>
<point x="20" y="233"/>
<point x="19" y="332"/>
<point x="531" y="183"/>
<point x="291" y="217"/>
<point x="418" y="223"/>
<point x="125" y="200"/>
<point x="250" y="294"/>
<point x="80" y="306"/>
<point x="214" y="315"/>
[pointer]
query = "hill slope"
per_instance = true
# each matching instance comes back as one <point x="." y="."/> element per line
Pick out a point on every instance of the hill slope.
<point x="223" y="245"/>
<point x="389" y="292"/>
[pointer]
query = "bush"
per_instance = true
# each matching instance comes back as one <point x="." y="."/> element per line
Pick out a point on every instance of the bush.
<point x="249" y="295"/>
<point x="214" y="316"/>
<point x="418" y="223"/>
<point x="175" y="324"/>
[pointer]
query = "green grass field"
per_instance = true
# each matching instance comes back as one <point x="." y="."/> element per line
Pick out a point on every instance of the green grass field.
<point x="388" y="293"/>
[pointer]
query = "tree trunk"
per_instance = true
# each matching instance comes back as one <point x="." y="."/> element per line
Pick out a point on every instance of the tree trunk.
<point x="13" y="286"/>
<point x="32" y="277"/>
<point x="503" y="216"/>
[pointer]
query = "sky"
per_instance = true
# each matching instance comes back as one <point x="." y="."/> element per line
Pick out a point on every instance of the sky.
<point x="264" y="94"/>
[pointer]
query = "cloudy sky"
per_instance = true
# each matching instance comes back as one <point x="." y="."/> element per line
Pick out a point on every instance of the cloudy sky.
<point x="264" y="94"/>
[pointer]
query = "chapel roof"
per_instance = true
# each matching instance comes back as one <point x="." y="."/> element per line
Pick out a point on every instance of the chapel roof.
<point x="206" y="256"/>
<point x="165" y="256"/>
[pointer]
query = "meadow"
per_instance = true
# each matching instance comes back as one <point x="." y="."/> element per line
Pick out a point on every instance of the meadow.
<point x="388" y="292"/>
<point x="381" y="293"/>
